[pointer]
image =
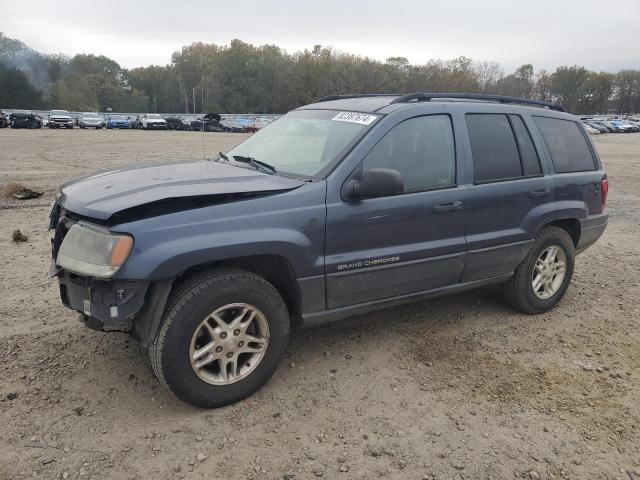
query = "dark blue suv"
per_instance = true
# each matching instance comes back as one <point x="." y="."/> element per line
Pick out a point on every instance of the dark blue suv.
<point x="340" y="207"/>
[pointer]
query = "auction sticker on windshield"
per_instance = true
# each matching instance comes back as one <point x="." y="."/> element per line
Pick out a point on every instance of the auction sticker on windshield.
<point x="354" y="117"/>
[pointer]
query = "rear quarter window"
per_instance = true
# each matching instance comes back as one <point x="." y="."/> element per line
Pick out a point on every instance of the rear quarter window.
<point x="567" y="145"/>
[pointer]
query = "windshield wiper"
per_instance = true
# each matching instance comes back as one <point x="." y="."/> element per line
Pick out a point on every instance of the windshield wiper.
<point x="221" y="157"/>
<point x="257" y="164"/>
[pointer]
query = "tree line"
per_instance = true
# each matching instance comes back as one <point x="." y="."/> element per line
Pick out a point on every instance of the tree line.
<point x="244" y="78"/>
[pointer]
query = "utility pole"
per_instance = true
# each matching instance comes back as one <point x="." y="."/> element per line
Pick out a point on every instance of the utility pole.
<point x="186" y="103"/>
<point x="194" y="100"/>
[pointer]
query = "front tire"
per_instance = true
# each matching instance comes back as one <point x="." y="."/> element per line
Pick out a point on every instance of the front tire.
<point x="222" y="319"/>
<point x="542" y="278"/>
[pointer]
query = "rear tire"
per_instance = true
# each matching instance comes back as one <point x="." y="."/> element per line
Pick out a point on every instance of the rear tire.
<point x="191" y="305"/>
<point x="519" y="291"/>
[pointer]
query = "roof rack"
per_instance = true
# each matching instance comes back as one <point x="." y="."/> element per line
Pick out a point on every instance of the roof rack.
<point x="425" y="97"/>
<point x="356" y="95"/>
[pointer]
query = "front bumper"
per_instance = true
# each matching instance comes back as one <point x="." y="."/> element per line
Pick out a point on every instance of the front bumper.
<point x="22" y="123"/>
<point x="104" y="305"/>
<point x="61" y="123"/>
<point x="156" y="126"/>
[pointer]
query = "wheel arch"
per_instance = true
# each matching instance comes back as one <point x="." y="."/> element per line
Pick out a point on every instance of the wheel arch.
<point x="276" y="269"/>
<point x="570" y="225"/>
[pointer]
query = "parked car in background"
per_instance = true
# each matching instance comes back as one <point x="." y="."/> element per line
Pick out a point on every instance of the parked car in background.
<point x="622" y="125"/>
<point x="208" y="123"/>
<point x="601" y="127"/>
<point x="135" y="122"/>
<point x="177" y="123"/>
<point x="91" y="120"/>
<point x="590" y="130"/>
<point x="117" y="121"/>
<point x="60" y="119"/>
<point x="251" y="128"/>
<point x="24" y="119"/>
<point x="592" y="125"/>
<point x="341" y="207"/>
<point x="232" y="126"/>
<point x="4" y="121"/>
<point x="152" y="121"/>
<point x="630" y="126"/>
<point x="613" y="127"/>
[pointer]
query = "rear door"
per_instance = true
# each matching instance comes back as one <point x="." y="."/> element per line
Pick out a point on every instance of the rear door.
<point x="508" y="194"/>
<point x="380" y="248"/>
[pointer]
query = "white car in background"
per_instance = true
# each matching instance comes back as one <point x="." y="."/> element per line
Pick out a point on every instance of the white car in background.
<point x="152" y="121"/>
<point x="590" y="130"/>
<point x="60" y="119"/>
<point x="91" y="120"/>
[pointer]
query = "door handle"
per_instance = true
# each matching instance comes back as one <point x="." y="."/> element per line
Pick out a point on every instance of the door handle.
<point x="447" y="207"/>
<point x="543" y="192"/>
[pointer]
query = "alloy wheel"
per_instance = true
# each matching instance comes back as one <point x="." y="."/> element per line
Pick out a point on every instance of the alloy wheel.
<point x="229" y="344"/>
<point x="549" y="271"/>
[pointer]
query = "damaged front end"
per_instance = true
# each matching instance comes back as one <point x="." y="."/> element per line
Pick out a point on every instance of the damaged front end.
<point x="95" y="220"/>
<point x="104" y="304"/>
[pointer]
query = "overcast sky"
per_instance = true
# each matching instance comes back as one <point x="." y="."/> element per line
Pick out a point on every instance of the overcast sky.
<point x="599" y="34"/>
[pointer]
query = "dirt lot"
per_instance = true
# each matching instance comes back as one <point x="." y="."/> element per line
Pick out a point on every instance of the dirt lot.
<point x="454" y="388"/>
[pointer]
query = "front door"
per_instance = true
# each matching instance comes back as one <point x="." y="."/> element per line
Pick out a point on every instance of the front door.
<point x="380" y="248"/>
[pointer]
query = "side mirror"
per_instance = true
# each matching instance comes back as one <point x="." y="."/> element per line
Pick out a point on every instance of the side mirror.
<point x="376" y="182"/>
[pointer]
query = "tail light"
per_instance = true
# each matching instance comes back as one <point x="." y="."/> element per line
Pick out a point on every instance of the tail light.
<point x="604" y="191"/>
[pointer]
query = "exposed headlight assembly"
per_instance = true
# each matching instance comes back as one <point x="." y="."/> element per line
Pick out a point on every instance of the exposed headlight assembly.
<point x="93" y="251"/>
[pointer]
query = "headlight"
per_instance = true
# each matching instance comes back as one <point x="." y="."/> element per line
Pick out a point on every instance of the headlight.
<point x="93" y="251"/>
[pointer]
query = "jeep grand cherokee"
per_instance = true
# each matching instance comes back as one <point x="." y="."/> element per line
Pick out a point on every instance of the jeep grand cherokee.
<point x="344" y="206"/>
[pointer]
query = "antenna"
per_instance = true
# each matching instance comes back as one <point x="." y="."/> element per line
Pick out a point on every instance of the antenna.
<point x="204" y="151"/>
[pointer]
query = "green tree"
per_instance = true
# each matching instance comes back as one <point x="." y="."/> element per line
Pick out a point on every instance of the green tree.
<point x="566" y="84"/>
<point x="627" y="86"/>
<point x="16" y="91"/>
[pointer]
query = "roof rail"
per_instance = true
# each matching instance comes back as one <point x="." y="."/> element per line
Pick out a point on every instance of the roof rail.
<point x="328" y="98"/>
<point x="425" y="97"/>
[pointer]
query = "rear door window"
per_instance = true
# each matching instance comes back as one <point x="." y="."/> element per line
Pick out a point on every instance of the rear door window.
<point x="567" y="144"/>
<point x="493" y="147"/>
<point x="528" y="153"/>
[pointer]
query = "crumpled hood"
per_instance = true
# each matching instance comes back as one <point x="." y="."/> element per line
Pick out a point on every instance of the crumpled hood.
<point x="103" y="194"/>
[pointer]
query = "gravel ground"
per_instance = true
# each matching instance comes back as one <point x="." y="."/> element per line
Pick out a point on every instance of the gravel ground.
<point x="459" y="387"/>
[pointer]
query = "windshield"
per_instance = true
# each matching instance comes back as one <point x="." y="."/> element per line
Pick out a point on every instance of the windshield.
<point x="305" y="142"/>
<point x="116" y="117"/>
<point x="91" y="116"/>
<point x="59" y="112"/>
<point x="153" y="116"/>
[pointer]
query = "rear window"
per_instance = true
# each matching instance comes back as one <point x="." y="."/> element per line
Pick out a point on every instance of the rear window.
<point x="493" y="147"/>
<point x="567" y="144"/>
